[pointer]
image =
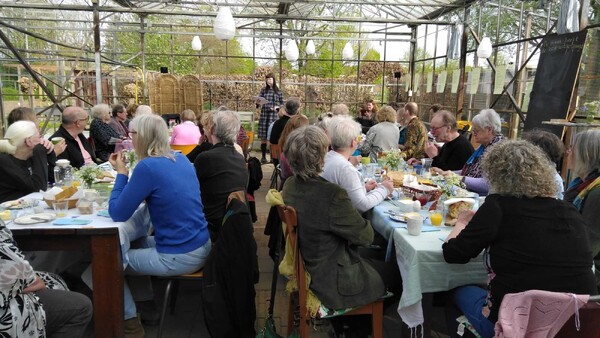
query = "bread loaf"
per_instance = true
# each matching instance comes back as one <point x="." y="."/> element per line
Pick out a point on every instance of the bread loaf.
<point x="66" y="193"/>
<point x="454" y="210"/>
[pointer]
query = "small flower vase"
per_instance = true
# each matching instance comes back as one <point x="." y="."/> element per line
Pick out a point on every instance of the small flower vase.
<point x="87" y="184"/>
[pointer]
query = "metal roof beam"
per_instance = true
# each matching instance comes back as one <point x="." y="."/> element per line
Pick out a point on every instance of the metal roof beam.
<point x="204" y="14"/>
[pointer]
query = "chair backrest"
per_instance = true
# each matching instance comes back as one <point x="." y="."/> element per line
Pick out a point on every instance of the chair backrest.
<point x="185" y="149"/>
<point x="538" y="310"/>
<point x="589" y="323"/>
<point x="290" y="218"/>
<point x="275" y="151"/>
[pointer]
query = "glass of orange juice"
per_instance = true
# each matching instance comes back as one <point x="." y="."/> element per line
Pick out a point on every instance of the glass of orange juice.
<point x="437" y="216"/>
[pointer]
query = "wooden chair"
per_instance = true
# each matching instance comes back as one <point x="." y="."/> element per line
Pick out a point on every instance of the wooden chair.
<point x="375" y="309"/>
<point x="275" y="153"/>
<point x="170" y="297"/>
<point x="588" y="321"/>
<point x="185" y="149"/>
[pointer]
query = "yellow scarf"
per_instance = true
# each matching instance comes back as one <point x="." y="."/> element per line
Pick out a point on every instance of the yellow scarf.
<point x="286" y="266"/>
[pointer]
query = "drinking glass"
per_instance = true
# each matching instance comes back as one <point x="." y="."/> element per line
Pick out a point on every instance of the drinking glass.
<point x="436" y="216"/>
<point x="61" y="207"/>
<point x="426" y="162"/>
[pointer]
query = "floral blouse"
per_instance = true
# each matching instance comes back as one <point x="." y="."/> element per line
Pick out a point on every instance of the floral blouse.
<point x="21" y="314"/>
<point x="416" y="139"/>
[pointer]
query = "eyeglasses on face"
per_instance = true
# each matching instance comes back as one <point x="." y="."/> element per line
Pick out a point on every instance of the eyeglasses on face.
<point x="131" y="133"/>
<point x="437" y="128"/>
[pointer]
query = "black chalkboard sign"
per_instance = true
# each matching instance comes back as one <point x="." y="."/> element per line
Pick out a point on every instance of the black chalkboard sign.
<point x="554" y="80"/>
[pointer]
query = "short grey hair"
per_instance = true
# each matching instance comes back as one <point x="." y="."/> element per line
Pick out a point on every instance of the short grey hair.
<point x="305" y="151"/>
<point x="342" y="129"/>
<point x="143" y="110"/>
<point x="152" y="136"/>
<point x="448" y="119"/>
<point x="188" y="115"/>
<point x="488" y="118"/>
<point x="519" y="169"/>
<point x="99" y="110"/>
<point x="340" y="109"/>
<point x="586" y="150"/>
<point x="226" y="126"/>
<point x="15" y="136"/>
<point x="292" y="106"/>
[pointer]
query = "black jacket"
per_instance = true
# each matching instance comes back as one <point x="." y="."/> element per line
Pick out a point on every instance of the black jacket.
<point x="231" y="270"/>
<point x="73" y="153"/>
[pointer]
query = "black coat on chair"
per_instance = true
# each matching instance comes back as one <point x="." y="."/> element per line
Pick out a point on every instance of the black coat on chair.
<point x="228" y="294"/>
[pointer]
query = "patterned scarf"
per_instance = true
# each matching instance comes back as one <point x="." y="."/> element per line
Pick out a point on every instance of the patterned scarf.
<point x="471" y="168"/>
<point x="584" y="187"/>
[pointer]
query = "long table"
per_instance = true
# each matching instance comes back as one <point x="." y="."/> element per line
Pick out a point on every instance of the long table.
<point x="101" y="238"/>
<point x="421" y="263"/>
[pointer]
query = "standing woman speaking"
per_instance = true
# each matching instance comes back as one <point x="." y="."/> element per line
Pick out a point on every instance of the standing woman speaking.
<point x="268" y="114"/>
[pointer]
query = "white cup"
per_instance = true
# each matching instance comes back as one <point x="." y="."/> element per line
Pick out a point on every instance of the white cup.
<point x="414" y="224"/>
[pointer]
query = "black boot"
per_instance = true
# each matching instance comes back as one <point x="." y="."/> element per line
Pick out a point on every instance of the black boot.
<point x="263" y="150"/>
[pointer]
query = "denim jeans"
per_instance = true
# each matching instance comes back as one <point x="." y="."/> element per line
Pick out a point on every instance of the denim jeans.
<point x="470" y="300"/>
<point x="148" y="261"/>
<point x="144" y="260"/>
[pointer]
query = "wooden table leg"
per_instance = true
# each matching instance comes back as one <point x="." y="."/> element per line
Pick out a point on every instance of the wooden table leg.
<point x="107" y="270"/>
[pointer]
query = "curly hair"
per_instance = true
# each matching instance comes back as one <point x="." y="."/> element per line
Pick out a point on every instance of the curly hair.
<point x="519" y="169"/>
<point x="386" y="114"/>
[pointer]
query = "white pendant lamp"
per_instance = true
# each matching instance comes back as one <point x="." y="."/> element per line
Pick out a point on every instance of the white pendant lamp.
<point x="347" y="52"/>
<point x="224" y="27"/>
<point x="196" y="43"/>
<point x="485" y="48"/>
<point x="291" y="51"/>
<point x="310" y="48"/>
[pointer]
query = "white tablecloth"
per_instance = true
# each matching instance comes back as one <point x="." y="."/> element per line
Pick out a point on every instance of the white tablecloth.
<point x="421" y="263"/>
<point x="97" y="222"/>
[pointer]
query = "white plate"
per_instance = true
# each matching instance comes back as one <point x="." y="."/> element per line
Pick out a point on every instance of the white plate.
<point x="35" y="218"/>
<point x="398" y="218"/>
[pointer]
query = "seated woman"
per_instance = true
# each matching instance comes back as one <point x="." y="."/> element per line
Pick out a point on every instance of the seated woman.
<point x="384" y="135"/>
<point x="104" y="136"/>
<point x="554" y="149"/>
<point x="344" y="134"/>
<point x="329" y="235"/>
<point x="584" y="191"/>
<point x="530" y="239"/>
<point x="23" y="161"/>
<point x="294" y="123"/>
<point x="220" y="170"/>
<point x="61" y="314"/>
<point x="487" y="127"/>
<point x="167" y="183"/>
<point x="187" y="132"/>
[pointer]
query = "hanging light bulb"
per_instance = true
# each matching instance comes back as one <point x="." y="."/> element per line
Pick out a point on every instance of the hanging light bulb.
<point x="347" y="52"/>
<point x="224" y="26"/>
<point x="310" y="48"/>
<point x="196" y="43"/>
<point x="485" y="48"/>
<point x="291" y="51"/>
